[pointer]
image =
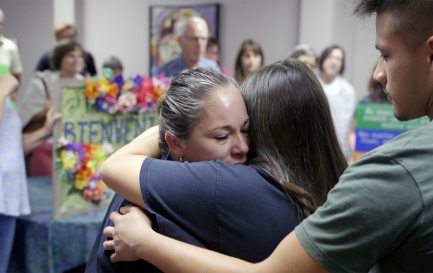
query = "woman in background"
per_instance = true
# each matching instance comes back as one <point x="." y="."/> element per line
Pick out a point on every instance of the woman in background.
<point x="67" y="61"/>
<point x="340" y="94"/>
<point x="250" y="58"/>
<point x="14" y="200"/>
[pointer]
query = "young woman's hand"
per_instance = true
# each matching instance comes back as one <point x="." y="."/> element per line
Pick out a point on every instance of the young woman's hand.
<point x="8" y="84"/>
<point x="51" y="119"/>
<point x="126" y="240"/>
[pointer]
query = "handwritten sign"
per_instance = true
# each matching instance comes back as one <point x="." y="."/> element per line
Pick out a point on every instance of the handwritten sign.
<point x="83" y="139"/>
<point x="84" y="126"/>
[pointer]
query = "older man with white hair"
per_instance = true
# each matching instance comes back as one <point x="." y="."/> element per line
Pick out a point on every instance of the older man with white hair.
<point x="193" y="34"/>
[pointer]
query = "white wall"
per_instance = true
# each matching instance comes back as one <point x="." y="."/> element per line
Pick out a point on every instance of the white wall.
<point x="30" y="22"/>
<point x="64" y="12"/>
<point x="113" y="27"/>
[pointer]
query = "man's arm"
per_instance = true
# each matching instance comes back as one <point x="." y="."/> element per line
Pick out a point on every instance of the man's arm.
<point x="174" y="256"/>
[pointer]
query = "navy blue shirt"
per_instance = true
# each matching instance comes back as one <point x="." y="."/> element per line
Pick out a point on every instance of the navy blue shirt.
<point x="174" y="67"/>
<point x="234" y="209"/>
<point x="99" y="260"/>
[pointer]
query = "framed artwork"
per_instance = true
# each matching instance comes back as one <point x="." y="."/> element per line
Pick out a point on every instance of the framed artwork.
<point x="164" y="46"/>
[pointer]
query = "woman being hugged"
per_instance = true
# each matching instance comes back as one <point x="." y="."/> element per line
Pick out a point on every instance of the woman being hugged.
<point x="202" y="116"/>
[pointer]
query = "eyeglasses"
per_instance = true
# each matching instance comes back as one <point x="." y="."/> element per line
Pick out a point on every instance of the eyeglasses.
<point x="197" y="39"/>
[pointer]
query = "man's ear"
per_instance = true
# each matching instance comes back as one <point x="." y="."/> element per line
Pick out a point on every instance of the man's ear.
<point x="430" y="49"/>
<point x="180" y="40"/>
<point x="175" y="145"/>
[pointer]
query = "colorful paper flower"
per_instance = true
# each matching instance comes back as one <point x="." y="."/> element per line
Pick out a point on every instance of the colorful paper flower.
<point x="134" y="95"/>
<point x="79" y="165"/>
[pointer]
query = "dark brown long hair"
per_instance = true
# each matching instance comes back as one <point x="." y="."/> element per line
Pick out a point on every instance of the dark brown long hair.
<point x="292" y="132"/>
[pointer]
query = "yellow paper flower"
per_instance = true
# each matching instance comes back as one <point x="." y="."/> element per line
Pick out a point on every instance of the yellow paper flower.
<point x="81" y="184"/>
<point x="69" y="160"/>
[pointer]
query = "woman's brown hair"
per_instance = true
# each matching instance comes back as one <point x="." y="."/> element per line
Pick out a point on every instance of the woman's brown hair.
<point x="292" y="134"/>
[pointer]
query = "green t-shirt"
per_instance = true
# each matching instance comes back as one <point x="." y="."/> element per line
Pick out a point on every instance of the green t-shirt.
<point x="379" y="217"/>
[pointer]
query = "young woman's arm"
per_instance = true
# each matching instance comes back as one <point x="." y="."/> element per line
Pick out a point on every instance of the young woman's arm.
<point x="121" y="171"/>
<point x="174" y="256"/>
<point x="8" y="84"/>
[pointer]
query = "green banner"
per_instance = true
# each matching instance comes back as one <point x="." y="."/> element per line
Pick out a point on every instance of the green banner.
<point x="380" y="116"/>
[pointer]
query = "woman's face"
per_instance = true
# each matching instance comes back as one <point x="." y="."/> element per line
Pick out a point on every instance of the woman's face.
<point x="251" y="62"/>
<point x="222" y="130"/>
<point x="72" y="63"/>
<point x="333" y="63"/>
